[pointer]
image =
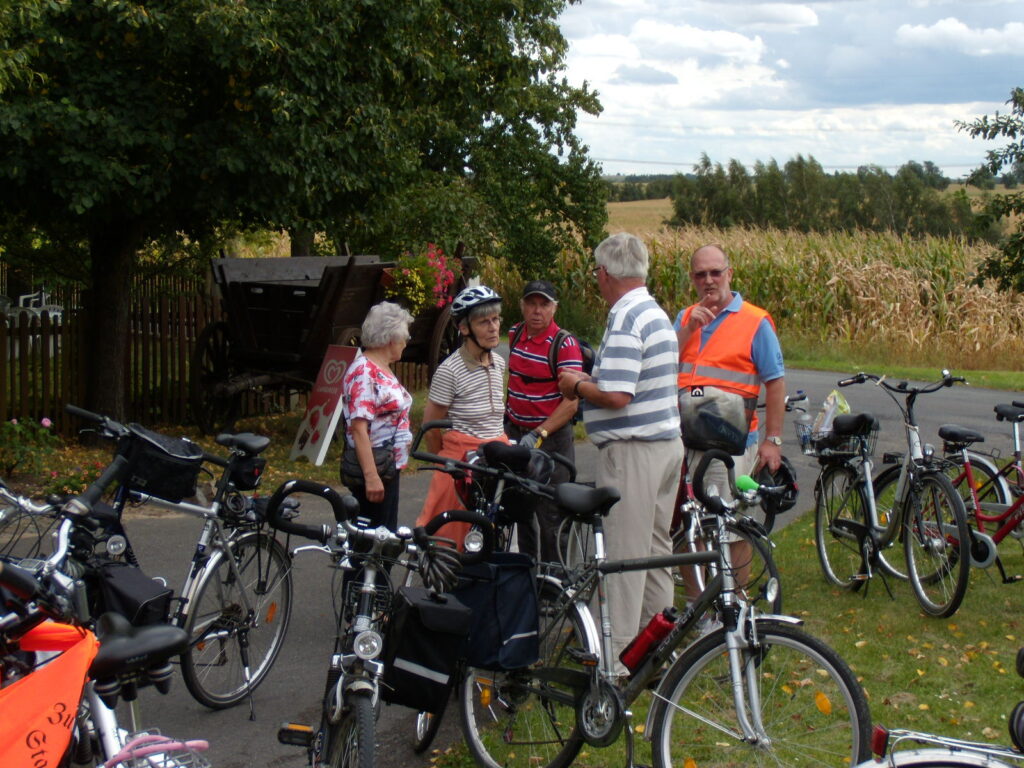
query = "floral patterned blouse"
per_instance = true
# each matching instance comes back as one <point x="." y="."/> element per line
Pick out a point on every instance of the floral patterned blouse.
<point x="375" y="394"/>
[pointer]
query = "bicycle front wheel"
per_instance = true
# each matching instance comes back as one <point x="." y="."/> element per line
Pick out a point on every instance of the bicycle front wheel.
<point x="236" y="620"/>
<point x="752" y="564"/>
<point x="937" y="543"/>
<point x="812" y="709"/>
<point x="840" y="512"/>
<point x="527" y="718"/>
<point x="350" y="742"/>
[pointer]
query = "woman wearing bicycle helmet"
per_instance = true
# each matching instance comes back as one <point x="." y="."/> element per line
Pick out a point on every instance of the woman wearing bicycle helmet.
<point x="468" y="389"/>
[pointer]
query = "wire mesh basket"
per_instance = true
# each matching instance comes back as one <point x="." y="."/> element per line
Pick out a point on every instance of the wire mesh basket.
<point x="827" y="443"/>
<point x="151" y="749"/>
<point x="382" y="597"/>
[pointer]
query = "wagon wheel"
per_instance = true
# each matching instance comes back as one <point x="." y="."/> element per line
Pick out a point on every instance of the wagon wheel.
<point x="211" y="366"/>
<point x="444" y="339"/>
<point x="349" y="337"/>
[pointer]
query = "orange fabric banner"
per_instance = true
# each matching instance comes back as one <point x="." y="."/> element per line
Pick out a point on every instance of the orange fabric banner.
<point x="38" y="711"/>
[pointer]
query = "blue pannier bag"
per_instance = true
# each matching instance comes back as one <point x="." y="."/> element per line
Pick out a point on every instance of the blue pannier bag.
<point x="502" y="594"/>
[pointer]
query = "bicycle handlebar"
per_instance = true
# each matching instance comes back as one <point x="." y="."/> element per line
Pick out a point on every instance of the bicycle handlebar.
<point x="904" y="388"/>
<point x="83" y="503"/>
<point x="21" y="582"/>
<point x="713" y="504"/>
<point x="108" y="426"/>
<point x="340" y="506"/>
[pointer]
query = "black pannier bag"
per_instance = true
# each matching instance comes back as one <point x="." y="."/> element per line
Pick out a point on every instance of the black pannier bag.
<point x="425" y="636"/>
<point x="502" y="595"/>
<point x="133" y="594"/>
<point x="161" y="466"/>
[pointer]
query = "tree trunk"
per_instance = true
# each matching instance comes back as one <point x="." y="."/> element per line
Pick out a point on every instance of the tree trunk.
<point x="302" y="242"/>
<point x="108" y="301"/>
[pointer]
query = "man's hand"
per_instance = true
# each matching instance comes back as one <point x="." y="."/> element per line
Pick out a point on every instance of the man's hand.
<point x="529" y="440"/>
<point x="770" y="455"/>
<point x="702" y="314"/>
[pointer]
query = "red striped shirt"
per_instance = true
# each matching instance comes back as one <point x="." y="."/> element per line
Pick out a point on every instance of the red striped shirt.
<point x="532" y="394"/>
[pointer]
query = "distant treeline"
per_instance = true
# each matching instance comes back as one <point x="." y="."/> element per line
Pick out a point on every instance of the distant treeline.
<point x="800" y="195"/>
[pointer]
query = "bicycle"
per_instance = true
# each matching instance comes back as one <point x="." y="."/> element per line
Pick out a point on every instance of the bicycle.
<point x="358" y="668"/>
<point x="235" y="601"/>
<point x="986" y="499"/>
<point x="756" y="691"/>
<point x="59" y="685"/>
<point x="482" y="480"/>
<point x="857" y="520"/>
<point x="946" y="751"/>
<point x="991" y="483"/>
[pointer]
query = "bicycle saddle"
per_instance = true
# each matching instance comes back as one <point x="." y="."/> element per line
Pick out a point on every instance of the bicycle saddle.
<point x="851" y="424"/>
<point x="582" y="501"/>
<point x="251" y="444"/>
<point x="1006" y="412"/>
<point x="954" y="433"/>
<point x="125" y="648"/>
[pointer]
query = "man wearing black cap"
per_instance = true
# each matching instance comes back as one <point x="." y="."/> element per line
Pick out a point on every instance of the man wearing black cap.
<point x="536" y="414"/>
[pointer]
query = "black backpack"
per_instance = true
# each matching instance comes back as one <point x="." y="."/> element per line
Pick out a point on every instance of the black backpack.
<point x="586" y="352"/>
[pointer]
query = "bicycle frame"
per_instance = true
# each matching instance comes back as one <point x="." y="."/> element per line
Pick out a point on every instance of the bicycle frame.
<point x="1006" y="516"/>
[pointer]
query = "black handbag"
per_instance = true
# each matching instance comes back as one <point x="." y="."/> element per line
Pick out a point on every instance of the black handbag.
<point x="352" y="471"/>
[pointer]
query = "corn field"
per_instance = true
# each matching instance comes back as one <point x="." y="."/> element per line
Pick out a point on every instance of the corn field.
<point x="874" y="297"/>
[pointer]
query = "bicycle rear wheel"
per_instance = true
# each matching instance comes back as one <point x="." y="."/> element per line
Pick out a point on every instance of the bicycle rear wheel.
<point x="225" y="638"/>
<point x="989" y="485"/>
<point x="891" y="557"/>
<point x="527" y="718"/>
<point x="840" y="511"/>
<point x="937" y="543"/>
<point x="813" y="710"/>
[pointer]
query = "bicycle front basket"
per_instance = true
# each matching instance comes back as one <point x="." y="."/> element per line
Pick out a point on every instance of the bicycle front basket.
<point x="161" y="466"/>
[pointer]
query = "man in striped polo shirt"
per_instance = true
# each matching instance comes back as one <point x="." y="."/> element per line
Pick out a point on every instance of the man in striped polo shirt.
<point x="536" y="414"/>
<point x="632" y="415"/>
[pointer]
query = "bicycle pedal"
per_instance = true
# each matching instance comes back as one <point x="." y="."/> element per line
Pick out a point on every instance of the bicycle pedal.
<point x="582" y="657"/>
<point x="295" y="734"/>
<point x="861" y="577"/>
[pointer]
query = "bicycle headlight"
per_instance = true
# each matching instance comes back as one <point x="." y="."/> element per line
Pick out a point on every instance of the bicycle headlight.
<point x="771" y="590"/>
<point x="474" y="541"/>
<point x="116" y="545"/>
<point x="368" y="645"/>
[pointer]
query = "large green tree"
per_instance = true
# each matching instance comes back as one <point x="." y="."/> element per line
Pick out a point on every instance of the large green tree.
<point x="1006" y="267"/>
<point x="124" y="124"/>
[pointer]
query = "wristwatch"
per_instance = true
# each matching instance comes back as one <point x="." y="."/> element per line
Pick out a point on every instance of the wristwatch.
<point x="542" y="432"/>
<point x="774" y="440"/>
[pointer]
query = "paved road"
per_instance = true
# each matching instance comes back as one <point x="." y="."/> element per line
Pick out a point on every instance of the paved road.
<point x="293" y="687"/>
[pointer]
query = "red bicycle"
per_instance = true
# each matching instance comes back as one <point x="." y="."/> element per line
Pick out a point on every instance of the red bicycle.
<point x="993" y="495"/>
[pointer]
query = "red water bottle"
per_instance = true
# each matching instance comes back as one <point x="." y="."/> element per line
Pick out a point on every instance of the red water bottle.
<point x="633" y="655"/>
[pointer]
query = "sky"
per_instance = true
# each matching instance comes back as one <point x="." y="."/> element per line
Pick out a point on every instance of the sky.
<point x="851" y="82"/>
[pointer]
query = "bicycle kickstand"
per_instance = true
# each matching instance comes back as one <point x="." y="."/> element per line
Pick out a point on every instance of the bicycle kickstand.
<point x="1002" y="572"/>
<point x="628" y="716"/>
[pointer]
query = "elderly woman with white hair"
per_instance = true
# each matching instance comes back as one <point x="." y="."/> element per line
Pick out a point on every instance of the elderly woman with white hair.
<point x="376" y="411"/>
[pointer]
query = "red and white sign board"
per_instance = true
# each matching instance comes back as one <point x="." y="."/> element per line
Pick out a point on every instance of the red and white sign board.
<point x="323" y="408"/>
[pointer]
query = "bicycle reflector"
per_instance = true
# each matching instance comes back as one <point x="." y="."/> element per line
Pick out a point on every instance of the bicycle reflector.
<point x="879" y="740"/>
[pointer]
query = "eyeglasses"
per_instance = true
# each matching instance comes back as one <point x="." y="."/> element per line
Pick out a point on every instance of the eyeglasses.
<point x="714" y="273"/>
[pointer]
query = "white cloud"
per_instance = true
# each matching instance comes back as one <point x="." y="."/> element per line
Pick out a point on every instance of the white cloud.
<point x="780" y="17"/>
<point x="660" y="40"/>
<point x="952" y="34"/>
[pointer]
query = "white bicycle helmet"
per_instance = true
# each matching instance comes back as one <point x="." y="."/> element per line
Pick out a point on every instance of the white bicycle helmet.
<point x="472" y="297"/>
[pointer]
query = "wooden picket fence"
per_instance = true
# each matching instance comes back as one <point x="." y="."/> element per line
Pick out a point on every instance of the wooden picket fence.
<point x="43" y="364"/>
